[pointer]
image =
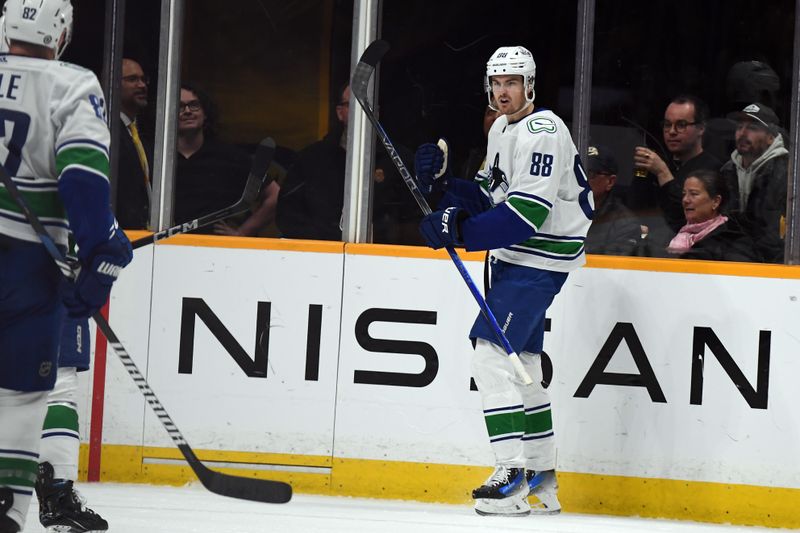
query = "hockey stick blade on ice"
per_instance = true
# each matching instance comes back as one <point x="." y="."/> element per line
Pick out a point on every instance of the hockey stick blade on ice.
<point x="256" y="180"/>
<point x="359" y="84"/>
<point x="260" y="490"/>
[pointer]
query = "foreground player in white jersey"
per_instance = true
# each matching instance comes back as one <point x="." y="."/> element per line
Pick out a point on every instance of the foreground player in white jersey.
<point x="531" y="206"/>
<point x="55" y="142"/>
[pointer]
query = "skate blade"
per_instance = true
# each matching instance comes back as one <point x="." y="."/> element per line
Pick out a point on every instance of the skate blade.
<point x="70" y="529"/>
<point x="545" y="511"/>
<point x="484" y="513"/>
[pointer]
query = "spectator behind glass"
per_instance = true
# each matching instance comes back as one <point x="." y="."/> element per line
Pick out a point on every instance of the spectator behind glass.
<point x="683" y="128"/>
<point x="311" y="199"/>
<point x="708" y="233"/>
<point x="312" y="196"/>
<point x="757" y="174"/>
<point x="211" y="175"/>
<point x="746" y="82"/>
<point x="615" y="230"/>
<point x="135" y="153"/>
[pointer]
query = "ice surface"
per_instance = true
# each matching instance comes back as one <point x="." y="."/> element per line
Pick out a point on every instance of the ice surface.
<point x="133" y="508"/>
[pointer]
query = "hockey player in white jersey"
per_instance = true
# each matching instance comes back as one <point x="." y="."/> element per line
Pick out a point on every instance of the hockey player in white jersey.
<point x="531" y="206"/>
<point x="54" y="144"/>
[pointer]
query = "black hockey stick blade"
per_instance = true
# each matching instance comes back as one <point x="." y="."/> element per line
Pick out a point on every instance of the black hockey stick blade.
<point x="259" y="490"/>
<point x="374" y="53"/>
<point x="256" y="180"/>
<point x="369" y="59"/>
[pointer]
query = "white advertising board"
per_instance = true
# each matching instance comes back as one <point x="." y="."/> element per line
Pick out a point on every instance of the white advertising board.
<point x="209" y="303"/>
<point x="657" y="374"/>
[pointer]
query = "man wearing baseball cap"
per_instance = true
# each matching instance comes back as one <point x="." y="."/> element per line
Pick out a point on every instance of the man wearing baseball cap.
<point x="615" y="230"/>
<point x="757" y="175"/>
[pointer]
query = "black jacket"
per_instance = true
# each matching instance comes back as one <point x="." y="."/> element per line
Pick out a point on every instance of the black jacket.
<point x="132" y="205"/>
<point x="766" y="204"/>
<point x="311" y="199"/>
<point x="615" y="230"/>
<point x="729" y="242"/>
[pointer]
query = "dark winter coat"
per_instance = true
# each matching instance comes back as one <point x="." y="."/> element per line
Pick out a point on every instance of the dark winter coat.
<point x="766" y="203"/>
<point x="615" y="230"/>
<point x="729" y="242"/>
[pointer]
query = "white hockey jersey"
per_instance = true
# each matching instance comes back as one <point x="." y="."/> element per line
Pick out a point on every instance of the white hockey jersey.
<point x="533" y="166"/>
<point x="52" y="122"/>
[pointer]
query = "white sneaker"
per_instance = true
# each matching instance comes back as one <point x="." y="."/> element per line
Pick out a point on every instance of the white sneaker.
<point x="544" y="486"/>
<point x="505" y="493"/>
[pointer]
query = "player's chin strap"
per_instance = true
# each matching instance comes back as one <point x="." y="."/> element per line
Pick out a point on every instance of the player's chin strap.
<point x="261" y="490"/>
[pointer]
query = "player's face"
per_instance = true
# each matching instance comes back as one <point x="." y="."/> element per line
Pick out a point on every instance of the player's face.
<point x="509" y="94"/>
<point x="681" y="134"/>
<point x="133" y="93"/>
<point x="190" y="112"/>
<point x="698" y="205"/>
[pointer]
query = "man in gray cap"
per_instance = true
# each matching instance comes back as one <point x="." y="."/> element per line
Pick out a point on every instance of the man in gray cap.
<point x="757" y="174"/>
<point x="615" y="230"/>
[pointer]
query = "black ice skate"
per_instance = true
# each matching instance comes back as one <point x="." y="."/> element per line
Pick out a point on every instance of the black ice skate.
<point x="504" y="493"/>
<point x="6" y="501"/>
<point x="544" y="487"/>
<point x="61" y="508"/>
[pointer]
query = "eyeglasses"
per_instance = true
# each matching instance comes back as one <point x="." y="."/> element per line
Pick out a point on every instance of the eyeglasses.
<point x="193" y="106"/>
<point x="133" y="78"/>
<point x="680" y="125"/>
<point x="343" y="104"/>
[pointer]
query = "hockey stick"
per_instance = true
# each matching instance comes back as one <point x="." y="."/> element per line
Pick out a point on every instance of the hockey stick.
<point x="358" y="86"/>
<point x="255" y="181"/>
<point x="260" y="490"/>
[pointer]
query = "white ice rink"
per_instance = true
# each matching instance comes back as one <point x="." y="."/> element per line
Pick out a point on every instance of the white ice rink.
<point x="157" y="509"/>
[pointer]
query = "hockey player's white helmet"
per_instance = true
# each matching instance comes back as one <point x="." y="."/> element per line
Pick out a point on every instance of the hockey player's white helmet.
<point x="511" y="61"/>
<point x="43" y="22"/>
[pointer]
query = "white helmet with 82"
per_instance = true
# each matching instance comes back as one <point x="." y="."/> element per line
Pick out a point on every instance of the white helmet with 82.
<point x="511" y="61"/>
<point x="45" y="23"/>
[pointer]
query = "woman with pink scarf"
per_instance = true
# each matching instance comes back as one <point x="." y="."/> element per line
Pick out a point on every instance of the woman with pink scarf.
<point x="708" y="233"/>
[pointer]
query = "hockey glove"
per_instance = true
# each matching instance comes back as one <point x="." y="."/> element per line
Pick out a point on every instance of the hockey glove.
<point x="443" y="228"/>
<point x="89" y="292"/>
<point x="430" y="163"/>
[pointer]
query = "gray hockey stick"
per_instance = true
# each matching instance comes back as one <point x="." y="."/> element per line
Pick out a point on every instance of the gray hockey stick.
<point x="358" y="86"/>
<point x="256" y="180"/>
<point x="260" y="490"/>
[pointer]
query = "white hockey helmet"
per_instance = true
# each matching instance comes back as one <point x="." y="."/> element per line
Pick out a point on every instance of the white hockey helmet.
<point x="3" y="42"/>
<point x="45" y="23"/>
<point x="511" y="61"/>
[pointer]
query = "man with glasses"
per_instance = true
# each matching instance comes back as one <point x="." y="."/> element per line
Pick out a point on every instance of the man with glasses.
<point x="211" y="175"/>
<point x="683" y="128"/>
<point x="615" y="230"/>
<point x="757" y="174"/>
<point x="135" y="154"/>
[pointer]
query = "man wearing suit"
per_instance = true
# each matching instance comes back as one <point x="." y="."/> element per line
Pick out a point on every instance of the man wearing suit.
<point x="133" y="171"/>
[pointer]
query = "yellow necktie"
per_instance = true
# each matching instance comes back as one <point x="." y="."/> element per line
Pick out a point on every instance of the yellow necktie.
<point x="137" y="142"/>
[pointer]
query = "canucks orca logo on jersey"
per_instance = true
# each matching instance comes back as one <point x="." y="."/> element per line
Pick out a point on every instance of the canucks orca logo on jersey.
<point x="541" y="124"/>
<point x="497" y="178"/>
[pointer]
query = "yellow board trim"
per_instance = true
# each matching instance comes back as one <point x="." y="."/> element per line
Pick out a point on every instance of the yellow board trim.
<point x="686" y="266"/>
<point x="683" y="266"/>
<point x="255" y="243"/>
<point x="417" y="252"/>
<point x="579" y="493"/>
